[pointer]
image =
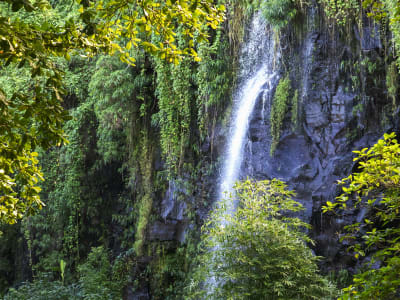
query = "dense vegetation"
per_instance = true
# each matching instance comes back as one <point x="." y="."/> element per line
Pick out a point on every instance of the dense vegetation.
<point x="376" y="187"/>
<point x="258" y="252"/>
<point x="108" y="106"/>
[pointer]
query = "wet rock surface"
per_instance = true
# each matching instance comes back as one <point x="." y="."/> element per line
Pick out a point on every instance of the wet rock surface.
<point x="335" y="117"/>
<point x="319" y="152"/>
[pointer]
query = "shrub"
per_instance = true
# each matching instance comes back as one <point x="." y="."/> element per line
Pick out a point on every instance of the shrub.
<point x="98" y="281"/>
<point x="278" y="12"/>
<point x="96" y="277"/>
<point x="375" y="187"/>
<point x="43" y="289"/>
<point x="257" y="251"/>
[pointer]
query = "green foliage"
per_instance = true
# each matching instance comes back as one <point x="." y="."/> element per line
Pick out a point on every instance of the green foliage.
<point x="78" y="205"/>
<point x="146" y="201"/>
<point x="98" y="280"/>
<point x="137" y="151"/>
<point x="15" y="203"/>
<point x="295" y="110"/>
<point x="278" y="12"/>
<point x="239" y="13"/>
<point x="62" y="269"/>
<point x="342" y="278"/>
<point x="258" y="252"/>
<point x="35" y="118"/>
<point x="187" y="92"/>
<point x="123" y="100"/>
<point x="31" y="117"/>
<point x="375" y="186"/>
<point x="175" y="94"/>
<point x="392" y="9"/>
<point x="341" y="11"/>
<point x="110" y="89"/>
<point x="171" y="271"/>
<point x="153" y="18"/>
<point x="392" y="82"/>
<point x="278" y="110"/>
<point x="96" y="277"/>
<point x="214" y="80"/>
<point x="344" y="12"/>
<point x="43" y="289"/>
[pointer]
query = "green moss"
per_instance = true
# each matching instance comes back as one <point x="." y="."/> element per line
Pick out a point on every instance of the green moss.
<point x="392" y="82"/>
<point x="146" y="203"/>
<point x="295" y="110"/>
<point x="278" y="111"/>
<point x="358" y="109"/>
<point x="341" y="12"/>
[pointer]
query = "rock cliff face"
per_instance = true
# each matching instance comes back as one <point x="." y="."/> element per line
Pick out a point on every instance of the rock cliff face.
<point x="340" y="109"/>
<point x="343" y="105"/>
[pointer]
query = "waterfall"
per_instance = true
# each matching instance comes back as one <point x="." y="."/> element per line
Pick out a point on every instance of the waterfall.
<point x="258" y="76"/>
<point x="307" y="54"/>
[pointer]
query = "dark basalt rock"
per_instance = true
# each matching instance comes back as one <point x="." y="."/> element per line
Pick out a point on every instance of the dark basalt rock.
<point x="312" y="158"/>
<point x="334" y="119"/>
<point x="162" y="231"/>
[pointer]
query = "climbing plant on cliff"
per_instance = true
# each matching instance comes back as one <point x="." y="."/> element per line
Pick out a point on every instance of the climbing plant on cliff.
<point x="343" y="11"/>
<point x="278" y="12"/>
<point x="278" y="111"/>
<point x="176" y="98"/>
<point x="375" y="187"/>
<point x="257" y="252"/>
<point x="346" y="12"/>
<point x="214" y="78"/>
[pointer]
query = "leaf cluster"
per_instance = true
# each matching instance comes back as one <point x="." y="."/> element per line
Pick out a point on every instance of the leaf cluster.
<point x="375" y="187"/>
<point x="258" y="251"/>
<point x="34" y="117"/>
<point x="152" y="18"/>
<point x="278" y="12"/>
<point x="31" y="117"/>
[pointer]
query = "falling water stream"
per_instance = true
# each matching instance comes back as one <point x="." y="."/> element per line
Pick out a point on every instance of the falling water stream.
<point x="258" y="77"/>
<point x="258" y="72"/>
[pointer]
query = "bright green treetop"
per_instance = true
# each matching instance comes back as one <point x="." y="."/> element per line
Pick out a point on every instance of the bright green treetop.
<point x="259" y="251"/>
<point x="34" y="116"/>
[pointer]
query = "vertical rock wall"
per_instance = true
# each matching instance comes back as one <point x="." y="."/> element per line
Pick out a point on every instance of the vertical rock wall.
<point x="343" y="106"/>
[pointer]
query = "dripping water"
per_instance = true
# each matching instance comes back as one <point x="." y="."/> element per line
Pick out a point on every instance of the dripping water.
<point x="308" y="52"/>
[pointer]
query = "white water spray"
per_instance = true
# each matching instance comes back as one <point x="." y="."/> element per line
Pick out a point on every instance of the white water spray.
<point x="234" y="156"/>
<point x="258" y="78"/>
<point x="257" y="66"/>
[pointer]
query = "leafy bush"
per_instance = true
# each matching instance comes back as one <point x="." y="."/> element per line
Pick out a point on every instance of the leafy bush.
<point x="375" y="186"/>
<point x="341" y="12"/>
<point x="96" y="277"/>
<point x="98" y="280"/>
<point x="43" y="289"/>
<point x="257" y="251"/>
<point x="278" y="12"/>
